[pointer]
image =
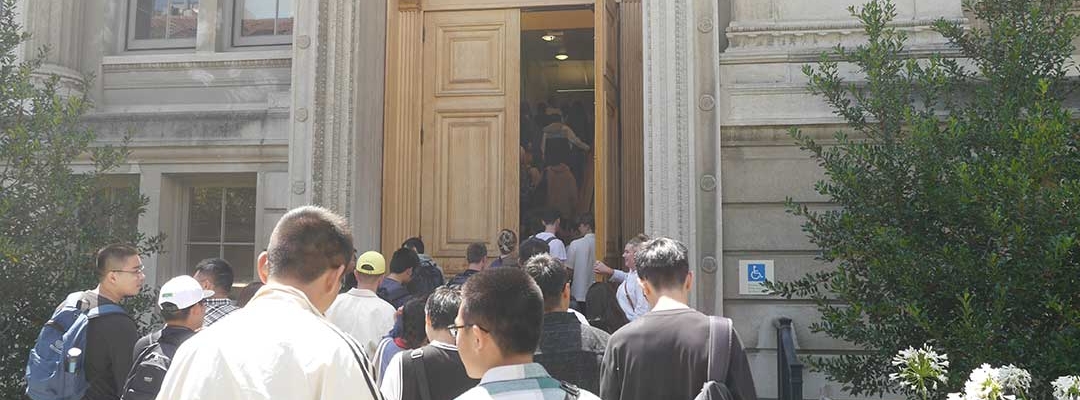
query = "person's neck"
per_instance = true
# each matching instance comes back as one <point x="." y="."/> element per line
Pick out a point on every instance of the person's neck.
<point x="514" y="359"/>
<point x="679" y="296"/>
<point x="395" y="278"/>
<point x="441" y="335"/>
<point x="476" y="267"/>
<point x="108" y="293"/>
<point x="318" y="298"/>
<point x="367" y="286"/>
<point x="559" y="309"/>
<point x="225" y="294"/>
<point x="550" y="229"/>
<point x="184" y="324"/>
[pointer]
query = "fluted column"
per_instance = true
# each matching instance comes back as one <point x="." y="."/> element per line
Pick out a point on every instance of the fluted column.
<point x="57" y="24"/>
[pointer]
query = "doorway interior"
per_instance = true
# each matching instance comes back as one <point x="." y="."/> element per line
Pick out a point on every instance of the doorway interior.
<point x="557" y="118"/>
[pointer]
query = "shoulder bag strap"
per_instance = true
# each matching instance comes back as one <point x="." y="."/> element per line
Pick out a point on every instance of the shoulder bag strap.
<point x="719" y="348"/>
<point x="360" y="360"/>
<point x="416" y="358"/>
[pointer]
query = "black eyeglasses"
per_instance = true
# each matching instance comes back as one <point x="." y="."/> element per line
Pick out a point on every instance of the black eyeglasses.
<point x="455" y="328"/>
<point x="138" y="270"/>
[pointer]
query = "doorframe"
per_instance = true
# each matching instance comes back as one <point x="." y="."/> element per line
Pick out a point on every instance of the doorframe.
<point x="402" y="136"/>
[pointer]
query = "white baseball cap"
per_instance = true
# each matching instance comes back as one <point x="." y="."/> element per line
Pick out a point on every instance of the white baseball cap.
<point x="182" y="292"/>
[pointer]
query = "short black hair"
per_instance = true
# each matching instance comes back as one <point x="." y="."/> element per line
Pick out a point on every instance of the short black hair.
<point x="531" y="247"/>
<point x="549" y="215"/>
<point x="475" y="253"/>
<point x="412" y="322"/>
<point x="414" y="243"/>
<point x="506" y="303"/>
<point x="219" y="271"/>
<point x="112" y="252"/>
<point x="586" y="219"/>
<point x="403" y="259"/>
<point x="442" y="306"/>
<point x="663" y="263"/>
<point x="550" y="275"/>
<point x="170" y="313"/>
<point x="307" y="242"/>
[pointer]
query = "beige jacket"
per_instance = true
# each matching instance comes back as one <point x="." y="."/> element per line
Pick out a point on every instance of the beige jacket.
<point x="278" y="347"/>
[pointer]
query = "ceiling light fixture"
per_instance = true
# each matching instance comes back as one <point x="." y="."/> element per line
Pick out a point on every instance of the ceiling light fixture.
<point x="561" y="55"/>
<point x="548" y="37"/>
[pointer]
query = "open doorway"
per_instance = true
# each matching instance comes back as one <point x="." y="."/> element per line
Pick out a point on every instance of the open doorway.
<point x="557" y="119"/>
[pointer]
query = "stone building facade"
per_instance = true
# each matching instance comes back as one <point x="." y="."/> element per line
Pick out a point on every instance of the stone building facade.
<point x="240" y="109"/>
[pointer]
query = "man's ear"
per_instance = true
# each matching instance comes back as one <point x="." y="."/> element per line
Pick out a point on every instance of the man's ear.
<point x="689" y="281"/>
<point x="263" y="267"/>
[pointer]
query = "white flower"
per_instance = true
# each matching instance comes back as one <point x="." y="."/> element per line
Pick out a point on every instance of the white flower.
<point x="919" y="370"/>
<point x="1067" y="388"/>
<point x="1013" y="378"/>
<point x="983" y="384"/>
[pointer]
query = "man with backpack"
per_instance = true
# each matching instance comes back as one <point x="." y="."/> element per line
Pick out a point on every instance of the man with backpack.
<point x="84" y="351"/>
<point x="665" y="354"/>
<point x="550" y="218"/>
<point x="427" y="275"/>
<point x="432" y="372"/>
<point x="183" y="309"/>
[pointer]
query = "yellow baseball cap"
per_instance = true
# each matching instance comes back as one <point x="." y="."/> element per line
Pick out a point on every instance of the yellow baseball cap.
<point x="371" y="263"/>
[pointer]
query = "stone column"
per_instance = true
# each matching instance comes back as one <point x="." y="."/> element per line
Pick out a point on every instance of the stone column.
<point x="335" y="147"/>
<point x="682" y="155"/>
<point x="57" y="24"/>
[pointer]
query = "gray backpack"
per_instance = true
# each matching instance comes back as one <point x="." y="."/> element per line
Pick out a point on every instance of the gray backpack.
<point x="719" y="355"/>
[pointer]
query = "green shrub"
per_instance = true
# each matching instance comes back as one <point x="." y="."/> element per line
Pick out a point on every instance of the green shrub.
<point x="958" y="181"/>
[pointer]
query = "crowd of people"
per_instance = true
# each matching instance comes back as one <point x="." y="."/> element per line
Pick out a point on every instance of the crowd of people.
<point x="532" y="323"/>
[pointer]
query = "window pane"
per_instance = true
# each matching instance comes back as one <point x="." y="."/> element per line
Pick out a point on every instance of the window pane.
<point x="258" y="17"/>
<point x="150" y="19"/>
<point x="285" y="17"/>
<point x="204" y="220"/>
<point x="183" y="19"/>
<point x="242" y="259"/>
<point x="240" y="215"/>
<point x="199" y="252"/>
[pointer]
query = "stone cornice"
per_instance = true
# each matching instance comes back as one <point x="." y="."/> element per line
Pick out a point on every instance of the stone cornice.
<point x="820" y="34"/>
<point x="272" y="59"/>
<point x="793" y="27"/>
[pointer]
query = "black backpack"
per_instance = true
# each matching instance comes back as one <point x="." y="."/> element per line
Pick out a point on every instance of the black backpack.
<point x="148" y="371"/>
<point x="602" y="308"/>
<point x="719" y="355"/>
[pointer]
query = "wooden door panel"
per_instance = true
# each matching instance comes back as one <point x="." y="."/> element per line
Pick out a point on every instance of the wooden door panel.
<point x="475" y="56"/>
<point x="470" y="128"/>
<point x="608" y="220"/>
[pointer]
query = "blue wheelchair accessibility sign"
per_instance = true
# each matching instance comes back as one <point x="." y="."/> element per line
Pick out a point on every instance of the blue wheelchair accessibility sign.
<point x="755" y="272"/>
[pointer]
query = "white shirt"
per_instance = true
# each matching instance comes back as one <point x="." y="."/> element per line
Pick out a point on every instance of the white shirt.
<point x="391" y="381"/>
<point x="631" y="297"/>
<point x="362" y="314"/>
<point x="278" y="347"/>
<point x="580" y="257"/>
<point x="558" y="249"/>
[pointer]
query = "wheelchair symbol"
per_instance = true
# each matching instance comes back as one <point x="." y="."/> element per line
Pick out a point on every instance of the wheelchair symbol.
<point x="756" y="272"/>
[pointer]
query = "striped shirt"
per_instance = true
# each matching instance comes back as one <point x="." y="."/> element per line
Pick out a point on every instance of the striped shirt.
<point x="216" y="309"/>
<point x="520" y="382"/>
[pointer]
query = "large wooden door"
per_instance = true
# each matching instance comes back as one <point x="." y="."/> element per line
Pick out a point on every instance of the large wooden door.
<point x="469" y="139"/>
<point x="608" y="215"/>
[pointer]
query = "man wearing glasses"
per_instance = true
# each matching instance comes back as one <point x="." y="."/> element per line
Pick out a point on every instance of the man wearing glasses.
<point x="497" y="330"/>
<point x="110" y="338"/>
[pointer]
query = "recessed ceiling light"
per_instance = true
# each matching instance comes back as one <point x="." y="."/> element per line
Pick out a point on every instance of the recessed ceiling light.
<point x="548" y="37"/>
<point x="561" y="55"/>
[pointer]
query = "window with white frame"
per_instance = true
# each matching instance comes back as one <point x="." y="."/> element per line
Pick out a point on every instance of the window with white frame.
<point x="262" y="22"/>
<point x="220" y="222"/>
<point x="162" y="24"/>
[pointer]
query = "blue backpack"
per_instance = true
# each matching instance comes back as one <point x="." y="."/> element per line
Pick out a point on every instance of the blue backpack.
<point x="48" y="373"/>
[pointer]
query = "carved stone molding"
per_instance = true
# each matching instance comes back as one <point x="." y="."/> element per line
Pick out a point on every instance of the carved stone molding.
<point x="135" y="66"/>
<point x="409" y="5"/>
<point x="681" y="67"/>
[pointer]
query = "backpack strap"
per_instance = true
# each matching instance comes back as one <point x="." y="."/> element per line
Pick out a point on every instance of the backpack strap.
<point x="572" y="391"/>
<point x="549" y="240"/>
<point x="415" y="360"/>
<point x="105" y="309"/>
<point x="360" y="359"/>
<point x="719" y="348"/>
